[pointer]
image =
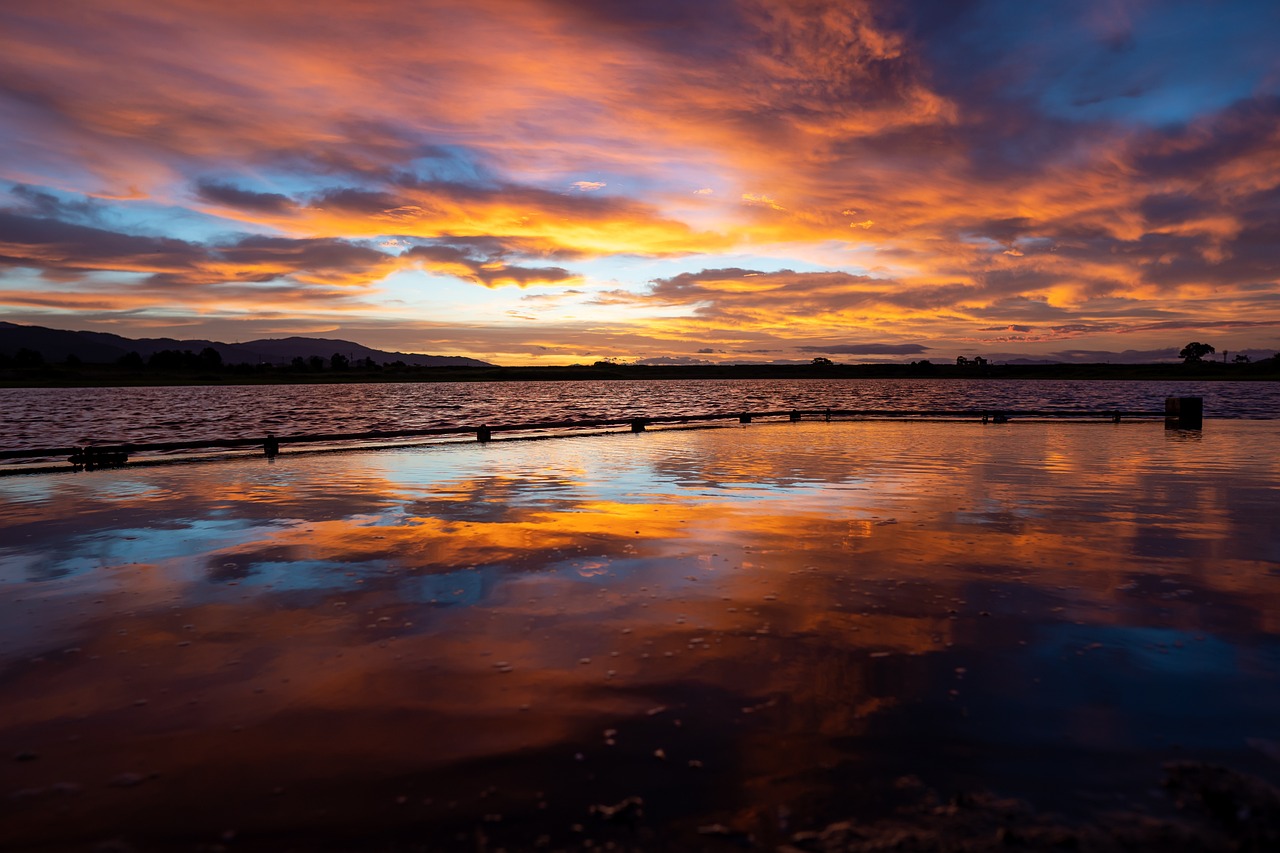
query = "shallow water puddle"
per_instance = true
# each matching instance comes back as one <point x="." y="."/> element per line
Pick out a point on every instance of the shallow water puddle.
<point x="722" y="635"/>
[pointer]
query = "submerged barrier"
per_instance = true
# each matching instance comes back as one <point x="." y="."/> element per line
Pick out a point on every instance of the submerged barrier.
<point x="1179" y="413"/>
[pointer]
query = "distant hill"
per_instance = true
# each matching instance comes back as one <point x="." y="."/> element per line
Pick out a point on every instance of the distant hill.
<point x="104" y="348"/>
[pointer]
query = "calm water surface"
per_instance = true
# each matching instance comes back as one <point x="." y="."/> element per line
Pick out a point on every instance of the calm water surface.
<point x="57" y="417"/>
<point x="752" y="630"/>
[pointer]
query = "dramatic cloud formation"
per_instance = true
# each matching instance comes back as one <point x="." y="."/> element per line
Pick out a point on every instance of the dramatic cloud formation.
<point x="560" y="180"/>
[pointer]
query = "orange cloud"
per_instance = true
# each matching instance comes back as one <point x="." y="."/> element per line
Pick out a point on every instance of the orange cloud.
<point x="837" y="135"/>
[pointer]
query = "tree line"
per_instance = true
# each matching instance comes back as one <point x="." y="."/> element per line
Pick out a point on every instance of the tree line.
<point x="207" y="360"/>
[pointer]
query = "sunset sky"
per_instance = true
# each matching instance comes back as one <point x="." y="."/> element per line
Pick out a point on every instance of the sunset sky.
<point x="557" y="181"/>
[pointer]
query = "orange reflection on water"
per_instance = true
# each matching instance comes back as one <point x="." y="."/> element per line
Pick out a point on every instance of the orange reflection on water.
<point x="730" y="624"/>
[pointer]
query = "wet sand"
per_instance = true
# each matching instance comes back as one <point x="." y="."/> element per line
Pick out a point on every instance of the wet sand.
<point x="689" y="639"/>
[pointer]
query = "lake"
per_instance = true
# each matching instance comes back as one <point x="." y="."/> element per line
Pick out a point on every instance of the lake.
<point x="59" y="417"/>
<point x="721" y="639"/>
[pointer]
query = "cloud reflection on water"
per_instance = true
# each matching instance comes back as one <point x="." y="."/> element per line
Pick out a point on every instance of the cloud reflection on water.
<point x="296" y="646"/>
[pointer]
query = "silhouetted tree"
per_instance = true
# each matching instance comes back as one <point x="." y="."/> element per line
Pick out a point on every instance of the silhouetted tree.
<point x="338" y="361"/>
<point x="298" y="363"/>
<point x="822" y="361"/>
<point x="316" y="362"/>
<point x="27" y="358"/>
<point x="130" y="360"/>
<point x="210" y="357"/>
<point x="172" y="359"/>
<point x="1194" y="352"/>
<point x="961" y="361"/>
<point x="72" y="360"/>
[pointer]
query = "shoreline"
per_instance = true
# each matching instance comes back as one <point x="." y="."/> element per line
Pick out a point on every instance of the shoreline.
<point x="98" y="376"/>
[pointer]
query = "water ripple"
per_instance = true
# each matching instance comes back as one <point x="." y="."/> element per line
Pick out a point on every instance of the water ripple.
<point x="49" y="417"/>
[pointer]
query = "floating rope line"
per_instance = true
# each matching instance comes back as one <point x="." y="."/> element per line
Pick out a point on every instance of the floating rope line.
<point x="1179" y="413"/>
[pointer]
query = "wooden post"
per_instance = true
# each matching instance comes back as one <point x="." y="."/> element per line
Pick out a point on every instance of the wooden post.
<point x="270" y="447"/>
<point x="795" y="416"/>
<point x="484" y="434"/>
<point x="744" y="418"/>
<point x="637" y="424"/>
<point x="1183" y="412"/>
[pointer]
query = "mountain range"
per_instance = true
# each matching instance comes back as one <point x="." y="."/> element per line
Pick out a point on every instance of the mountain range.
<point x="57" y="345"/>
